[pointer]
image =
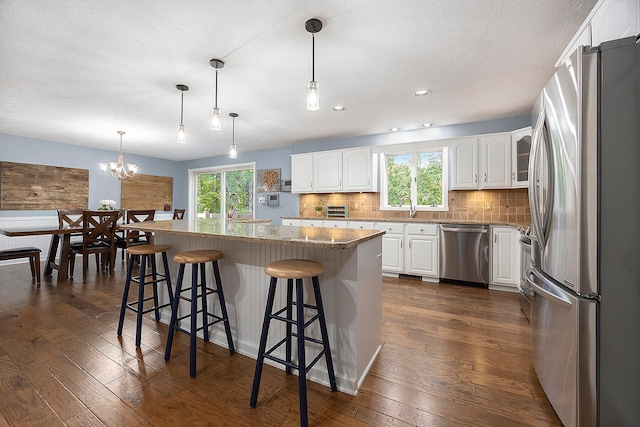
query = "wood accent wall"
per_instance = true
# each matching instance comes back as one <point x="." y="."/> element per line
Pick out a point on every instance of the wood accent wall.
<point x="147" y="192"/>
<point x="37" y="187"/>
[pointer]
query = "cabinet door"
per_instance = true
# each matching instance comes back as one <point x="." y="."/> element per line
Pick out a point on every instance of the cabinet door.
<point x="464" y="170"/>
<point x="614" y="19"/>
<point x="505" y="256"/>
<point x="327" y="171"/>
<point x="356" y="170"/>
<point x="422" y="255"/>
<point x="520" y="148"/>
<point x="495" y="165"/>
<point x="302" y="173"/>
<point x="393" y="253"/>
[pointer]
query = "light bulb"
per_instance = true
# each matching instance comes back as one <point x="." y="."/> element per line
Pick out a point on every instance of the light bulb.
<point x="182" y="135"/>
<point x="216" y="123"/>
<point x="313" y="96"/>
<point x="104" y="167"/>
<point x="233" y="152"/>
<point x="133" y="168"/>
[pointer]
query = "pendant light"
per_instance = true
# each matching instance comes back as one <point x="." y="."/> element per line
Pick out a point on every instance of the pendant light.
<point x="182" y="134"/>
<point x="313" y="91"/>
<point x="233" y="152"/>
<point x="117" y="169"/>
<point x="216" y="122"/>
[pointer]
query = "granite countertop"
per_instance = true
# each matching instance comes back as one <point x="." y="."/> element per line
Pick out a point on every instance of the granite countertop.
<point x="407" y="220"/>
<point x="324" y="238"/>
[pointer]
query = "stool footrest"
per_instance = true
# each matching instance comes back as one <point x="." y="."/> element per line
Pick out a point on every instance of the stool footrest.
<point x="133" y="306"/>
<point x="268" y="355"/>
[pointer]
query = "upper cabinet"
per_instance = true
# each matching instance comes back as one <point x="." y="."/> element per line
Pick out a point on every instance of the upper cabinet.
<point x="520" y="149"/>
<point x="491" y="161"/>
<point x="333" y="171"/>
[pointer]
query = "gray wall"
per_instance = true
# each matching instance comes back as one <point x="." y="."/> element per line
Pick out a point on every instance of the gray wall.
<point x="29" y="150"/>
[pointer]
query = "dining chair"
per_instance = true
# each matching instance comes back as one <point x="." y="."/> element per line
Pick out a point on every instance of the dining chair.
<point x="98" y="231"/>
<point x="136" y="237"/>
<point x="71" y="218"/>
<point x="178" y="213"/>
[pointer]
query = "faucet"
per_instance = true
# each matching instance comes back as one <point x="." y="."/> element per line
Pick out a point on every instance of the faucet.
<point x="232" y="208"/>
<point x="412" y="209"/>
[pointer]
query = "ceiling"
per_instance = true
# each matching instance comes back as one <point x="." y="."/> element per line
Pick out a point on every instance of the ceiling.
<point x="78" y="71"/>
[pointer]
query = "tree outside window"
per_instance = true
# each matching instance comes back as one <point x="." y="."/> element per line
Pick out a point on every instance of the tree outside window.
<point x="420" y="175"/>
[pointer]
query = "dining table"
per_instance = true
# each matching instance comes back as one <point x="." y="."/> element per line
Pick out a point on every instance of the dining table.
<point x="57" y="233"/>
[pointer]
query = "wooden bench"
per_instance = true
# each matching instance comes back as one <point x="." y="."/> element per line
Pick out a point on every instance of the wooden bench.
<point x="29" y="252"/>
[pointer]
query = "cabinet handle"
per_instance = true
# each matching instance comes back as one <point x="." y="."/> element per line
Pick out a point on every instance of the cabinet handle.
<point x="485" y="177"/>
<point x="400" y="245"/>
<point x="409" y="244"/>
<point x="495" y="238"/>
<point x="340" y="183"/>
<point x="475" y="177"/>
<point x="513" y="176"/>
<point x="422" y="229"/>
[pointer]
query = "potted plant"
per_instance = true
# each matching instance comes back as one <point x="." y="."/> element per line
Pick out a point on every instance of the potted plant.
<point x="319" y="210"/>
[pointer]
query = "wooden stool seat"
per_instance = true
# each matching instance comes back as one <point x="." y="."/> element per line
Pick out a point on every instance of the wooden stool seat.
<point x="147" y="249"/>
<point x="197" y="257"/>
<point x="147" y="254"/>
<point x="198" y="291"/>
<point x="294" y="269"/>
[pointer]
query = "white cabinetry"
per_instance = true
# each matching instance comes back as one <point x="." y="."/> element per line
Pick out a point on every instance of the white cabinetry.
<point x="302" y="173"/>
<point x="327" y="171"/>
<point x="392" y="247"/>
<point x="362" y="225"/>
<point x="422" y="250"/>
<point x="334" y="171"/>
<point x="311" y="222"/>
<point x="614" y="19"/>
<point x="520" y="149"/>
<point x="495" y="161"/>
<point x="295" y="222"/>
<point x="334" y="224"/>
<point x="464" y="171"/>
<point x="505" y="259"/>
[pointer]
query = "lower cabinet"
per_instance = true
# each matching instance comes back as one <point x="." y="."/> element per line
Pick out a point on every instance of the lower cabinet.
<point x="392" y="247"/>
<point x="505" y="259"/>
<point x="422" y="250"/>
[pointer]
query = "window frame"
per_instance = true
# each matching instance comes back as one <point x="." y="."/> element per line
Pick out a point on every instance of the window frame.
<point x="384" y="203"/>
<point x="193" y="187"/>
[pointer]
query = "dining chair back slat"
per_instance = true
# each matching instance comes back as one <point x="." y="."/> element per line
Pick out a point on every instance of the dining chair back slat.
<point x="98" y="233"/>
<point x="178" y="213"/>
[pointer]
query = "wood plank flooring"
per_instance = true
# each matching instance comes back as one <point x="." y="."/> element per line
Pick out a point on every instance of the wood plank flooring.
<point x="452" y="356"/>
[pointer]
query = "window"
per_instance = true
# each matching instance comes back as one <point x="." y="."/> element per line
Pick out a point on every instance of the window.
<point x="209" y="200"/>
<point x="420" y="175"/>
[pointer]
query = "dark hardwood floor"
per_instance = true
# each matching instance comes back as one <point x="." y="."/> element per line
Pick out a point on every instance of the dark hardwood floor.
<point x="452" y="356"/>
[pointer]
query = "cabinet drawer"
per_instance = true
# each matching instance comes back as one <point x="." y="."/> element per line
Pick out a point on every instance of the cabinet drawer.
<point x="423" y="229"/>
<point x="362" y="225"/>
<point x="390" y="227"/>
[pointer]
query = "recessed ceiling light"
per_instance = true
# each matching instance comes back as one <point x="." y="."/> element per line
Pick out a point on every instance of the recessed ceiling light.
<point x="395" y="129"/>
<point x="421" y="93"/>
<point x="427" y="125"/>
<point x="338" y="108"/>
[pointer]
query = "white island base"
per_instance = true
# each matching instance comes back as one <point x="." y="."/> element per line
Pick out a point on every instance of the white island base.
<point x="351" y="288"/>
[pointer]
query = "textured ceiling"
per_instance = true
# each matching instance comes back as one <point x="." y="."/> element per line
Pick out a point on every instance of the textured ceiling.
<point x="77" y="71"/>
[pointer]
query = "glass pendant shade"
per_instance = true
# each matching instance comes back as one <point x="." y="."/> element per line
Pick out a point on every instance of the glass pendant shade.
<point x="313" y="96"/>
<point x="216" y="122"/>
<point x="233" y="152"/>
<point x="182" y="134"/>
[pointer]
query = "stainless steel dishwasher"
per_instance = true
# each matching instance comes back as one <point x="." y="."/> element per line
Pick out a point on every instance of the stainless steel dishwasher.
<point x="464" y="252"/>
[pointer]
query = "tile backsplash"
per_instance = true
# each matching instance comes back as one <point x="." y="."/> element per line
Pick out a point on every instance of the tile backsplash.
<point x="491" y="206"/>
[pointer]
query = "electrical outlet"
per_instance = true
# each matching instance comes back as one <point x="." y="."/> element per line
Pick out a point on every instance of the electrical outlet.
<point x="488" y="206"/>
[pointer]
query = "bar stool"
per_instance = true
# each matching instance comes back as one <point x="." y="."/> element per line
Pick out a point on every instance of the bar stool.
<point x="146" y="253"/>
<point x="291" y="269"/>
<point x="197" y="259"/>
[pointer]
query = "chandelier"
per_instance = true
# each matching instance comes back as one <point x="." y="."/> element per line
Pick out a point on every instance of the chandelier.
<point x="117" y="169"/>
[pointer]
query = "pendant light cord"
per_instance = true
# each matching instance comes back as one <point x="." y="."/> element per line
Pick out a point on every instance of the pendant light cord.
<point x="181" y="107"/>
<point x="313" y="57"/>
<point x="216" y="88"/>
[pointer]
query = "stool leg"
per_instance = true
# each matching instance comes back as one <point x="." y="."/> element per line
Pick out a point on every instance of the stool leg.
<point x="289" y="325"/>
<point x="143" y="270"/>
<point x="302" y="367"/>
<point x="223" y="306"/>
<point x="203" y="296"/>
<point x="174" y="309"/>
<point x="325" y="335"/>
<point x="154" y="277"/>
<point x="194" y="320"/>
<point x="263" y="343"/>
<point x="125" y="297"/>
<point x="167" y="277"/>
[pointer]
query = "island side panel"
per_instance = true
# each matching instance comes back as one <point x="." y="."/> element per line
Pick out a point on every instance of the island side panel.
<point x="349" y="320"/>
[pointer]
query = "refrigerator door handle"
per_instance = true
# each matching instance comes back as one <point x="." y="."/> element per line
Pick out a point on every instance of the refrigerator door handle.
<point x="534" y="181"/>
<point x="551" y="295"/>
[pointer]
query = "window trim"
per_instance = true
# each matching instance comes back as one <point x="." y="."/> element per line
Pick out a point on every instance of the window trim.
<point x="193" y="188"/>
<point x="384" y="206"/>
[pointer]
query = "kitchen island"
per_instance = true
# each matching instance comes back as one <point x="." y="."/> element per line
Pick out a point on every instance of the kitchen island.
<point x="351" y="284"/>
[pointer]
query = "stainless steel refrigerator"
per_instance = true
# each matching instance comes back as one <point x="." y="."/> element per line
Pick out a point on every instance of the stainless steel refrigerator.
<point x="584" y="191"/>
